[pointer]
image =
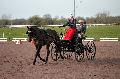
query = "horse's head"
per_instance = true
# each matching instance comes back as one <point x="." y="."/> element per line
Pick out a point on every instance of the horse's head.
<point x="31" y="33"/>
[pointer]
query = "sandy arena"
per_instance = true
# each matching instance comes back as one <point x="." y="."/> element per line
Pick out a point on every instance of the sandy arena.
<point x="16" y="63"/>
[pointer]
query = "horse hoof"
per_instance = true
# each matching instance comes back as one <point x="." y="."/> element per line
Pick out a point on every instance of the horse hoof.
<point x="46" y="62"/>
<point x="61" y="57"/>
<point x="33" y="63"/>
<point x="43" y="60"/>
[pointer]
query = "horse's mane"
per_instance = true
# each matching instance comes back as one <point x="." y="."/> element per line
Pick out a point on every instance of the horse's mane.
<point x="37" y="32"/>
<point x="49" y="32"/>
<point x="54" y="34"/>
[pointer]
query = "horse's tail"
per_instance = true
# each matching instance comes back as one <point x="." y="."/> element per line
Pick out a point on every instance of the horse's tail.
<point x="57" y="40"/>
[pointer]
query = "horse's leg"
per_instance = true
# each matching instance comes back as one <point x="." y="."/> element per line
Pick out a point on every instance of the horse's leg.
<point x="38" y="47"/>
<point x="48" y="52"/>
<point x="41" y="58"/>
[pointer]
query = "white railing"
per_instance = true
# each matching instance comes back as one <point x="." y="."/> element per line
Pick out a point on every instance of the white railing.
<point x="108" y="39"/>
<point x="3" y="39"/>
<point x="87" y="39"/>
<point x="16" y="39"/>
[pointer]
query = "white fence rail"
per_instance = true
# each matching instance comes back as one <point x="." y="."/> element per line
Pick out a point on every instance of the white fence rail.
<point x="3" y="39"/>
<point x="16" y="39"/>
<point x="87" y="39"/>
<point x="108" y="39"/>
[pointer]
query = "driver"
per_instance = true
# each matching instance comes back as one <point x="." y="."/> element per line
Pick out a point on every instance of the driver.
<point x="71" y="28"/>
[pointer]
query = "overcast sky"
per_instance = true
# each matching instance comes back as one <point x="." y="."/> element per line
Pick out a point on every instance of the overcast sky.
<point x="84" y="8"/>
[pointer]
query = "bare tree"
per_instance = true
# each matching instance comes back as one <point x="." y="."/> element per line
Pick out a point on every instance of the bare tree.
<point x="35" y="20"/>
<point x="102" y="17"/>
<point x="47" y="19"/>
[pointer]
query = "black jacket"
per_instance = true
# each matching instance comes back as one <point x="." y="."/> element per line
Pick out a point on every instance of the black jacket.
<point x="71" y="24"/>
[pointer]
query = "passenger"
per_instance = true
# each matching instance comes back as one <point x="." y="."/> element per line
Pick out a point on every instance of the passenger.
<point x="81" y="29"/>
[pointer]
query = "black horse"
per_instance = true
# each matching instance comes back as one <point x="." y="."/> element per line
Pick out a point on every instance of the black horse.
<point x="42" y="37"/>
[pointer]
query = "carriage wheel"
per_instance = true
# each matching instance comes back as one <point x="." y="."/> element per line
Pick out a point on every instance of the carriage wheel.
<point x="66" y="53"/>
<point x="91" y="50"/>
<point x="79" y="52"/>
<point x="54" y="52"/>
<point x="63" y="52"/>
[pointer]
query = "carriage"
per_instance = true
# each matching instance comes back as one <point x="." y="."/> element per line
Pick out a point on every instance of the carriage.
<point x="74" y="47"/>
<point x="59" y="48"/>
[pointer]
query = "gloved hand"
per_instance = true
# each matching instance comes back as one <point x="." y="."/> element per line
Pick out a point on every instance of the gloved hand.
<point x="79" y="35"/>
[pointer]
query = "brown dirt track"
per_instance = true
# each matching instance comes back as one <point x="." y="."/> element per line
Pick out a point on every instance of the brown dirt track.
<point x="16" y="63"/>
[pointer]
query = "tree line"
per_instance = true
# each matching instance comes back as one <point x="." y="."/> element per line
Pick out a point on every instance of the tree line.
<point x="100" y="18"/>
